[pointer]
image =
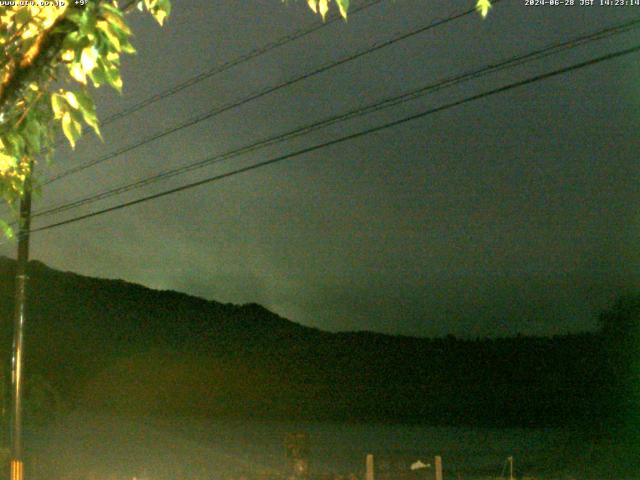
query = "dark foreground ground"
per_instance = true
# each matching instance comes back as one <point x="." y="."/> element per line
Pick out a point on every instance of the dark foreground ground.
<point x="90" y="447"/>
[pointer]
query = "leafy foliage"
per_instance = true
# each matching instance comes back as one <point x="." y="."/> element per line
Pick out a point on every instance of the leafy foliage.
<point x="483" y="7"/>
<point x="53" y="54"/>
<point x="322" y="7"/>
<point x="51" y="57"/>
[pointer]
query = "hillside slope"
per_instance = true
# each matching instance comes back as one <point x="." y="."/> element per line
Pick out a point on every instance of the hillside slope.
<point x="109" y="345"/>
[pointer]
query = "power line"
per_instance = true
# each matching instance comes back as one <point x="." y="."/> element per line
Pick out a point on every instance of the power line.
<point x="346" y="138"/>
<point x="213" y="71"/>
<point x="380" y="105"/>
<point x="231" y="63"/>
<point x="212" y="113"/>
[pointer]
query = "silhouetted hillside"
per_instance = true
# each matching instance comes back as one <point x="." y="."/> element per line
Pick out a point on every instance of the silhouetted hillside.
<point x="112" y="345"/>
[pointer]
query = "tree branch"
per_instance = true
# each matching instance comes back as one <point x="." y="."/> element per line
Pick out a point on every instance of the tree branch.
<point x="26" y="72"/>
<point x="49" y="49"/>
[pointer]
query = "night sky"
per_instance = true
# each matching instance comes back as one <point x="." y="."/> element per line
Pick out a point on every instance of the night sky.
<point x="514" y="213"/>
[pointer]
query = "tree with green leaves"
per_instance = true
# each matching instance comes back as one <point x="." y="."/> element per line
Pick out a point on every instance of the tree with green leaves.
<point x="52" y="54"/>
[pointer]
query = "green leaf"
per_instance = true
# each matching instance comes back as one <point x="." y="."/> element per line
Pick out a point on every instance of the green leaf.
<point x="343" y="5"/>
<point x="313" y="5"/>
<point x="16" y="144"/>
<point x="127" y="47"/>
<point x="71" y="128"/>
<point x="113" y="78"/>
<point x="88" y="59"/>
<point x="32" y="132"/>
<point x="114" y="16"/>
<point x="87" y="105"/>
<point x="110" y="8"/>
<point x="323" y="8"/>
<point x="483" y="7"/>
<point x="98" y="76"/>
<point x="112" y="36"/>
<point x="159" y="9"/>
<point x="71" y="99"/>
<point x="162" y="10"/>
<point x="7" y="162"/>
<point x="75" y="16"/>
<point x="6" y="229"/>
<point x="87" y="24"/>
<point x="77" y="72"/>
<point x="88" y="110"/>
<point x="58" y="104"/>
<point x="74" y="41"/>
<point x="76" y="116"/>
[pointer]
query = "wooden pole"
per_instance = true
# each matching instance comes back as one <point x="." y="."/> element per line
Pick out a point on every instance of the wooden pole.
<point x="370" y="474"/>
<point x="438" y="466"/>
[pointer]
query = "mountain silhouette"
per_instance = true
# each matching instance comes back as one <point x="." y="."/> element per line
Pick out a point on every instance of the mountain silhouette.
<point x="109" y="345"/>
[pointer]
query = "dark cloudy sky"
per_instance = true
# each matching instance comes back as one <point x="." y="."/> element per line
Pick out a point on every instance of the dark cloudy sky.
<point x="514" y="213"/>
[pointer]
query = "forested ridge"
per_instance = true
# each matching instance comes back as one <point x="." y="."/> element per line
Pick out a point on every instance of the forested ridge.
<point x="108" y="345"/>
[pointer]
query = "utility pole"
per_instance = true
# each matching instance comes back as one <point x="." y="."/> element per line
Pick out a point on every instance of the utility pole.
<point x="17" y="463"/>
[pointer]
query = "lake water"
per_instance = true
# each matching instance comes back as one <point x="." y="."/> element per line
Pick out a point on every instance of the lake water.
<point x="102" y="447"/>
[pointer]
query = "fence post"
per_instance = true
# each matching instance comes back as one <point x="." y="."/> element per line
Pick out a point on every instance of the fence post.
<point x="438" y="467"/>
<point x="370" y="474"/>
